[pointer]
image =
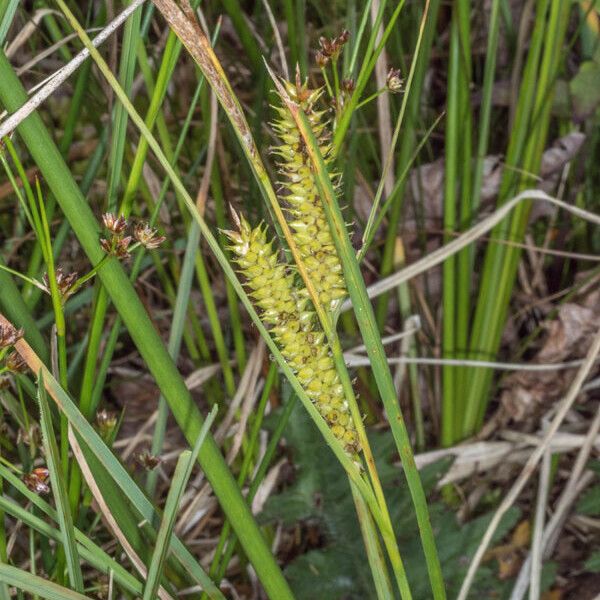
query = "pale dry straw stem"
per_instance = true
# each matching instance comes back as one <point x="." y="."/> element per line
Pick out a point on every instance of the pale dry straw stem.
<point x="357" y="360"/>
<point x="251" y="397"/>
<point x="384" y="119"/>
<point x="28" y="30"/>
<point x="65" y="72"/>
<point x="441" y="254"/>
<point x="571" y="494"/>
<point x="106" y="513"/>
<point x="50" y="50"/>
<point x="141" y="434"/>
<point x="408" y="332"/>
<point x="531" y="464"/>
<point x="538" y="532"/>
<point x="198" y="377"/>
<point x="576" y="480"/>
<point x="278" y="41"/>
<point x="246" y="386"/>
<point x="210" y="156"/>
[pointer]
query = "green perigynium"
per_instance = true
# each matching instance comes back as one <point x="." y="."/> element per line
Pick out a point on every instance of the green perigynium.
<point x="304" y="206"/>
<point x="286" y="309"/>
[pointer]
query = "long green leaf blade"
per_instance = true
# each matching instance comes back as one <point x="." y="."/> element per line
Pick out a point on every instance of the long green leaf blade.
<point x="59" y="488"/>
<point x="183" y="470"/>
<point x="24" y="580"/>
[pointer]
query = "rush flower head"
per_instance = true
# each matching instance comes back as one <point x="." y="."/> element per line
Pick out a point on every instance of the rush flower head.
<point x="64" y="282"/>
<point x="147" y="236"/>
<point x="36" y="480"/>
<point x="299" y="191"/>
<point x="286" y="310"/>
<point x="147" y="461"/>
<point x="114" y="224"/>
<point x="106" y="421"/>
<point x="330" y="49"/>
<point x="394" y="82"/>
<point x="117" y="246"/>
<point x="9" y="335"/>
<point x="348" y="85"/>
<point x="15" y="363"/>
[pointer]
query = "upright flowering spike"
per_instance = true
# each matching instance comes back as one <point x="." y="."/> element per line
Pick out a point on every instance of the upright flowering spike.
<point x="307" y="216"/>
<point x="286" y="310"/>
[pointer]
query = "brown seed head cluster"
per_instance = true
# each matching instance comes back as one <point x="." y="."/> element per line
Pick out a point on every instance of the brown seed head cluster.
<point x="147" y="461"/>
<point x="106" y="421"/>
<point x="394" y="82"/>
<point x="36" y="481"/>
<point x="305" y="208"/>
<point x="285" y="308"/>
<point x="9" y="335"/>
<point x="15" y="363"/>
<point x="64" y="282"/>
<point x="147" y="236"/>
<point x="119" y="244"/>
<point x="331" y="48"/>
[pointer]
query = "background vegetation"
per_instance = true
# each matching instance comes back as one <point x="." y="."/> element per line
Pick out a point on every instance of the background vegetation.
<point x="154" y="440"/>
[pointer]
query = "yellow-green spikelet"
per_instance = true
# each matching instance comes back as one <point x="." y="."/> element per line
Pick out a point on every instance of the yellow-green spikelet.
<point x="286" y="310"/>
<point x="308" y="220"/>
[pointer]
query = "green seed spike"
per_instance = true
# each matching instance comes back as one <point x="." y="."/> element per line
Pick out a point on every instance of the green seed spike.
<point x="285" y="308"/>
<point x="307" y="217"/>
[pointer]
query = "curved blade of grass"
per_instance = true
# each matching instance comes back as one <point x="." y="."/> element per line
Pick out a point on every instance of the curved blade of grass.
<point x="88" y="551"/>
<point x="104" y="456"/>
<point x="183" y="470"/>
<point x="108" y="514"/>
<point x="59" y="488"/>
<point x="368" y="327"/>
<point x="373" y="549"/>
<point x="13" y="305"/>
<point x="26" y="581"/>
<point x="141" y="328"/>
<point x="7" y="14"/>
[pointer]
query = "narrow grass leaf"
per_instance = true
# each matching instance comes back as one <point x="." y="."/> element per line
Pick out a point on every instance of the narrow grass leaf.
<point x="59" y="488"/>
<point x="111" y="465"/>
<point x="183" y="471"/>
<point x="27" y="582"/>
<point x="89" y="552"/>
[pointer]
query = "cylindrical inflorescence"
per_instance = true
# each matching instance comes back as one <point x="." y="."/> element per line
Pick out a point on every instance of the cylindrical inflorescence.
<point x="307" y="216"/>
<point x="289" y="314"/>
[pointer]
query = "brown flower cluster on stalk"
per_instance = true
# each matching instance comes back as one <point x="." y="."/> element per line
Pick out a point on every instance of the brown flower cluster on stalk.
<point x="64" y="282"/>
<point x="394" y="82"/>
<point x="36" y="481"/>
<point x="119" y="244"/>
<point x="9" y="335"/>
<point x="15" y="363"/>
<point x="106" y="422"/>
<point x="331" y="48"/>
